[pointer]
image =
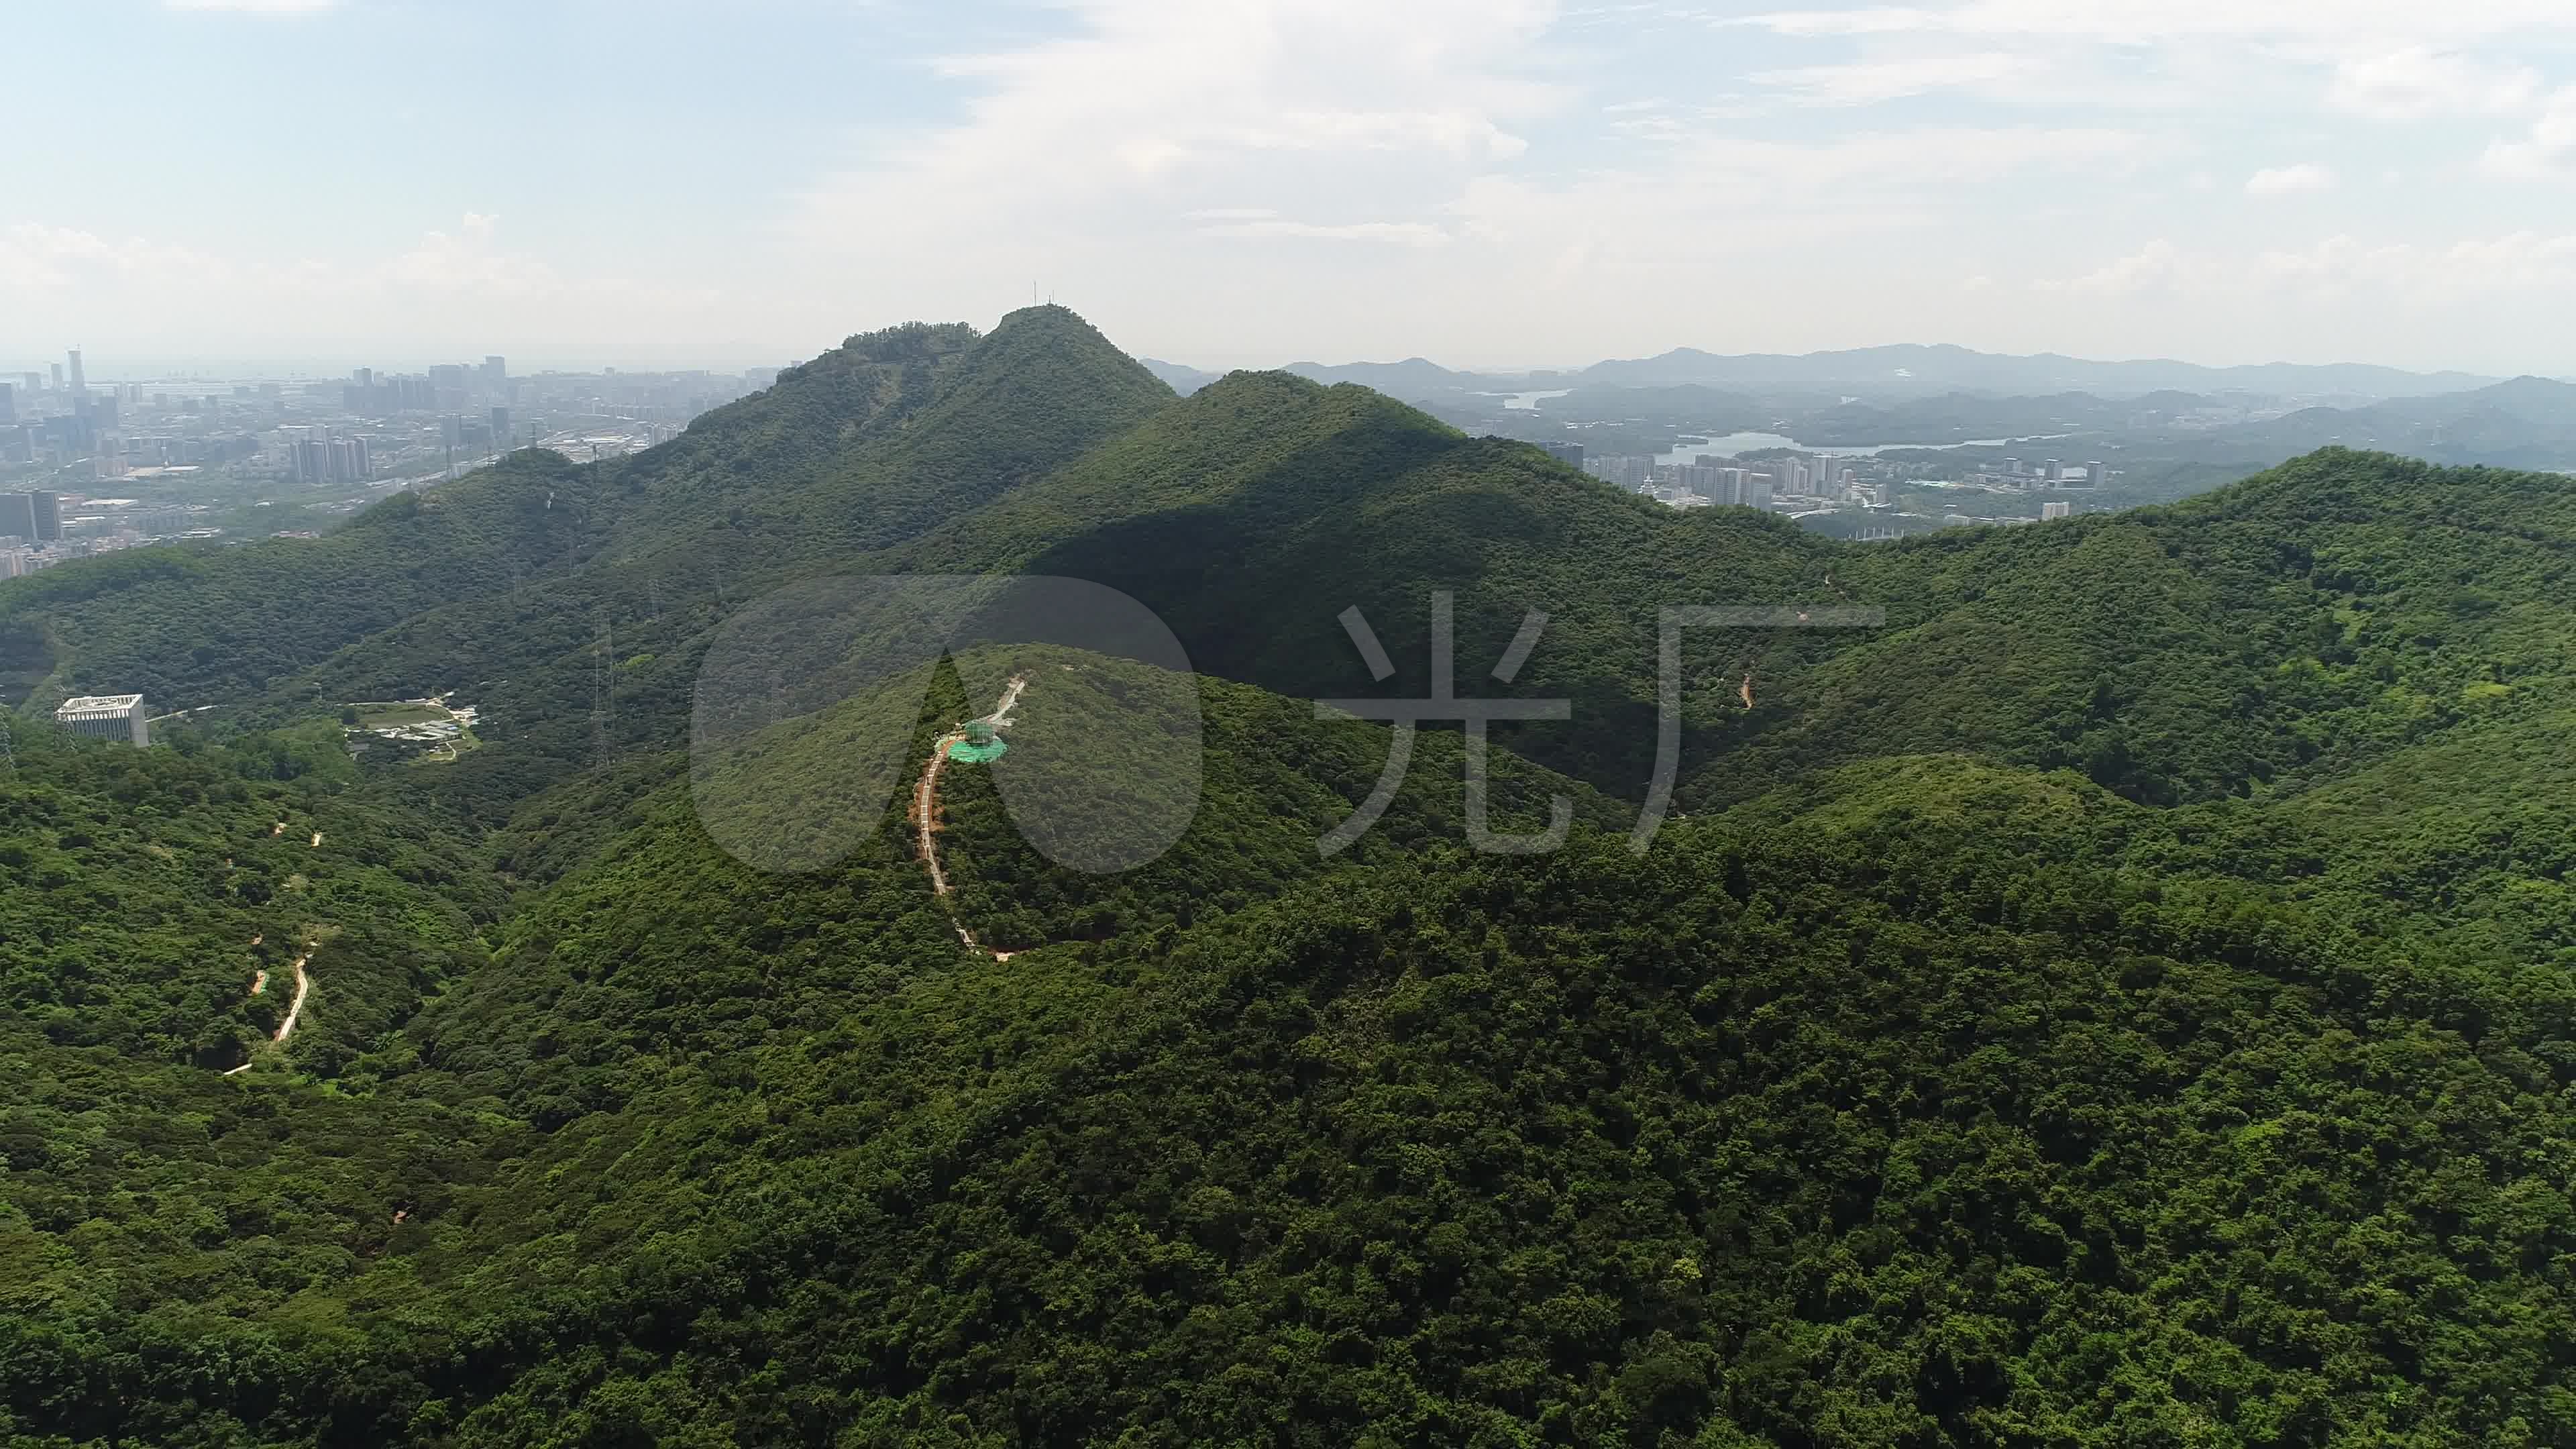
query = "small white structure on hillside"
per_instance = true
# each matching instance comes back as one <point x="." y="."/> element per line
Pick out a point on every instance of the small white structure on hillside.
<point x="110" y="716"/>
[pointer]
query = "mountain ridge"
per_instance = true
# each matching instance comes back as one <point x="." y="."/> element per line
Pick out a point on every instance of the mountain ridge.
<point x="1906" y="366"/>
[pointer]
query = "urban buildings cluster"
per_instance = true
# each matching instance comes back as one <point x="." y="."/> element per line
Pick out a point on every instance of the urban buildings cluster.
<point x="2050" y="474"/>
<point x="1788" y="484"/>
<point x="62" y="429"/>
<point x="1851" y="496"/>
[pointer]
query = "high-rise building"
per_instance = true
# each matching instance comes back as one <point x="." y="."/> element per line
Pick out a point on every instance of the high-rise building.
<point x="496" y="374"/>
<point x="501" y="428"/>
<point x="18" y="516"/>
<point x="349" y="461"/>
<point x="80" y="388"/>
<point x="33" y="381"/>
<point x="450" y="384"/>
<point x="8" y="405"/>
<point x="48" y="511"/>
<point x="1571" y="453"/>
<point x="108" y="716"/>
<point x="2055" y="510"/>
<point x="2095" y="474"/>
<point x="58" y="377"/>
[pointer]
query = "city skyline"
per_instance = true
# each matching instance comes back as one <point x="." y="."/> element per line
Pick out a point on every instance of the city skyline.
<point x="1494" y="185"/>
<point x="397" y="358"/>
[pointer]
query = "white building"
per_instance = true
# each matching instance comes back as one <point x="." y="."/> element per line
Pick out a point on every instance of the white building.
<point x="109" y="716"/>
<point x="2055" y="510"/>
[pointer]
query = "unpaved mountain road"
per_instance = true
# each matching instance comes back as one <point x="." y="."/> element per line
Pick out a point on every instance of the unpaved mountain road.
<point x="294" y="1009"/>
<point x="925" y="808"/>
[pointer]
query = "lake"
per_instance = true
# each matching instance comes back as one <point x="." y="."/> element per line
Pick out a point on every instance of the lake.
<point x="1526" y="401"/>
<point x="1734" y="443"/>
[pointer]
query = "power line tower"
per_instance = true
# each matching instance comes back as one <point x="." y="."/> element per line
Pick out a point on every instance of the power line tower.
<point x="602" y="695"/>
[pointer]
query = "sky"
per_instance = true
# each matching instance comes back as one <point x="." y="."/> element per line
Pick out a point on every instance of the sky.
<point x="1488" y="183"/>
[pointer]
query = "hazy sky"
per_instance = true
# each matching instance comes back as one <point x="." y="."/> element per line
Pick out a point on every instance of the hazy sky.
<point x="1229" y="182"/>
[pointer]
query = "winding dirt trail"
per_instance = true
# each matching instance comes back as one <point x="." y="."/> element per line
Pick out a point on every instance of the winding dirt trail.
<point x="294" y="1009"/>
<point x="925" y="808"/>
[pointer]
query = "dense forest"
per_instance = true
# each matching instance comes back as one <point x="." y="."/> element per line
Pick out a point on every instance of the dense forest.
<point x="2126" y="995"/>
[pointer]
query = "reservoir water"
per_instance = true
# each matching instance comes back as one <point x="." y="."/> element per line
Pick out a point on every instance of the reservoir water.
<point x="1731" y="444"/>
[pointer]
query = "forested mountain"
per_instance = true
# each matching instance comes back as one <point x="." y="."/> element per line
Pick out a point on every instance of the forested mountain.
<point x="1182" y="380"/>
<point x="1945" y="367"/>
<point x="2123" y="996"/>
<point x="1889" y="371"/>
<point x="882" y="437"/>
<point x="2529" y="422"/>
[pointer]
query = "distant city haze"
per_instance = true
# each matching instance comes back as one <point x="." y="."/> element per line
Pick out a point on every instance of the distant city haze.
<point x="1492" y="184"/>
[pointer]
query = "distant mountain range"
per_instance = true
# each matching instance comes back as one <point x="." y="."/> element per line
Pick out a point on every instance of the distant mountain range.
<point x="2529" y="422"/>
<point x="1908" y="368"/>
<point x="1916" y="366"/>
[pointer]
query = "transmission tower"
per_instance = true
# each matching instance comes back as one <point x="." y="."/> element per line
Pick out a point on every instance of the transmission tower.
<point x="602" y="695"/>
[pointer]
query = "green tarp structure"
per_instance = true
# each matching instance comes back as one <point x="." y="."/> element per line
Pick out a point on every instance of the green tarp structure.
<point x="979" y="747"/>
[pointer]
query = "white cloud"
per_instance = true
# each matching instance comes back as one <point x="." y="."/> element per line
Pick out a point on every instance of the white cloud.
<point x="2547" y="153"/>
<point x="1451" y="132"/>
<point x="1241" y="180"/>
<point x="37" y="258"/>
<point x="2156" y="266"/>
<point x="2289" y="180"/>
<point x="1868" y="82"/>
<point x="2340" y="268"/>
<point x="2342" y="23"/>
<point x="256" y="7"/>
<point x="444" y="274"/>
<point x="2417" y="81"/>
<point x="1079" y="147"/>
<point x="1912" y="160"/>
<point x="1404" y="233"/>
<point x="2525" y="265"/>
